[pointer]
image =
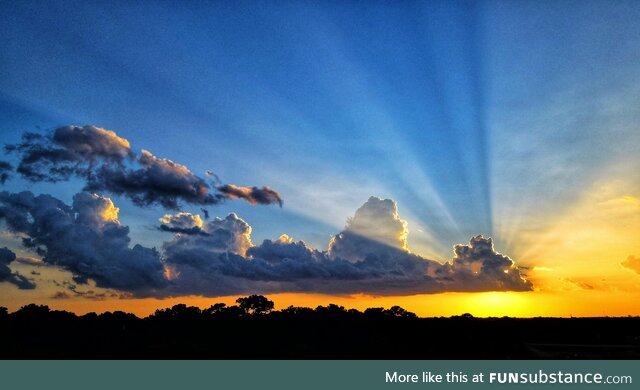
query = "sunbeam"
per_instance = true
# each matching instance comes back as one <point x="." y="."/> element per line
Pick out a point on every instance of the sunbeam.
<point x="271" y="124"/>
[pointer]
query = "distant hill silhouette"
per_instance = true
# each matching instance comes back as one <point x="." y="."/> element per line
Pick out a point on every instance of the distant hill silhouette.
<point x="253" y="330"/>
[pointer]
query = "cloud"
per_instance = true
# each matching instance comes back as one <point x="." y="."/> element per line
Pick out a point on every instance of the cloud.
<point x="68" y="151"/>
<point x="205" y="268"/>
<point x="5" y="171"/>
<point x="30" y="261"/>
<point x="158" y="181"/>
<point x="284" y="248"/>
<point x="86" y="239"/>
<point x="61" y="295"/>
<point x="6" y="275"/>
<point x="478" y="263"/>
<point x="95" y="211"/>
<point x="108" y="164"/>
<point x="91" y="294"/>
<point x="228" y="235"/>
<point x="217" y="257"/>
<point x="253" y="195"/>
<point x="185" y="223"/>
<point x="369" y="256"/>
<point x="375" y="228"/>
<point x="632" y="263"/>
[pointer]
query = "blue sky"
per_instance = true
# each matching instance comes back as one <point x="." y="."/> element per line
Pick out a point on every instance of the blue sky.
<point x="476" y="117"/>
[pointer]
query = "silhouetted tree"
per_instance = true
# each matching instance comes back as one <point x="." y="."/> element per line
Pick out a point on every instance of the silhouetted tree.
<point x="255" y="304"/>
<point x="376" y="312"/>
<point x="297" y="311"/>
<point x="118" y="317"/>
<point x="397" y="311"/>
<point x="331" y="310"/>
<point x="33" y="310"/>
<point x="233" y="311"/>
<point x="214" y="309"/>
<point x="185" y="311"/>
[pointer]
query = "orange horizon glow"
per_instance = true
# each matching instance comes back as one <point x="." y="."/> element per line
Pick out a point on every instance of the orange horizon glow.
<point x="481" y="304"/>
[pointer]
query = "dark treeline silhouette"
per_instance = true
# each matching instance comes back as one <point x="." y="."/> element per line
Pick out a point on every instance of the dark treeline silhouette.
<point x="253" y="330"/>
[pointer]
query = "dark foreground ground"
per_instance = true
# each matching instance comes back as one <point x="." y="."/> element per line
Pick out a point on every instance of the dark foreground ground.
<point x="299" y="333"/>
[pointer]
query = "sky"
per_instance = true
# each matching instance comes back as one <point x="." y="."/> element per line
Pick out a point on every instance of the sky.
<point x="391" y="132"/>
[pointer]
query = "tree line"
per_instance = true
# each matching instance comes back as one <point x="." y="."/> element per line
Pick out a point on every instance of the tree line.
<point x="252" y="329"/>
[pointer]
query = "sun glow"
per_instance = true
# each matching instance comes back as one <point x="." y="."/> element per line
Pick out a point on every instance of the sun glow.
<point x="498" y="304"/>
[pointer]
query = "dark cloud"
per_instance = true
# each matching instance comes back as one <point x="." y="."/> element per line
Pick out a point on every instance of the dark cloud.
<point x="6" y="275"/>
<point x="253" y="195"/>
<point x="68" y="151"/>
<point x="164" y="182"/>
<point x="5" y="171"/>
<point x="632" y="263"/>
<point x="86" y="238"/>
<point x="108" y="164"/>
<point x="193" y="230"/>
<point x="158" y="181"/>
<point x="369" y="256"/>
<point x="478" y="265"/>
<point x="217" y="257"/>
<point x="206" y="213"/>
<point x="228" y="235"/>
<point x="90" y="294"/>
<point x="61" y="295"/>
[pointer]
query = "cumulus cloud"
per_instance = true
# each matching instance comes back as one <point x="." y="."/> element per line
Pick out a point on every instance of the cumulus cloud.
<point x="185" y="223"/>
<point x="632" y="263"/>
<point x="228" y="235"/>
<point x="108" y="164"/>
<point x="5" y="171"/>
<point x="283" y="248"/>
<point x="478" y="263"/>
<point x="216" y="257"/>
<point x="369" y="256"/>
<point x="375" y="228"/>
<point x="282" y="265"/>
<point x="85" y="238"/>
<point x="6" y="275"/>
